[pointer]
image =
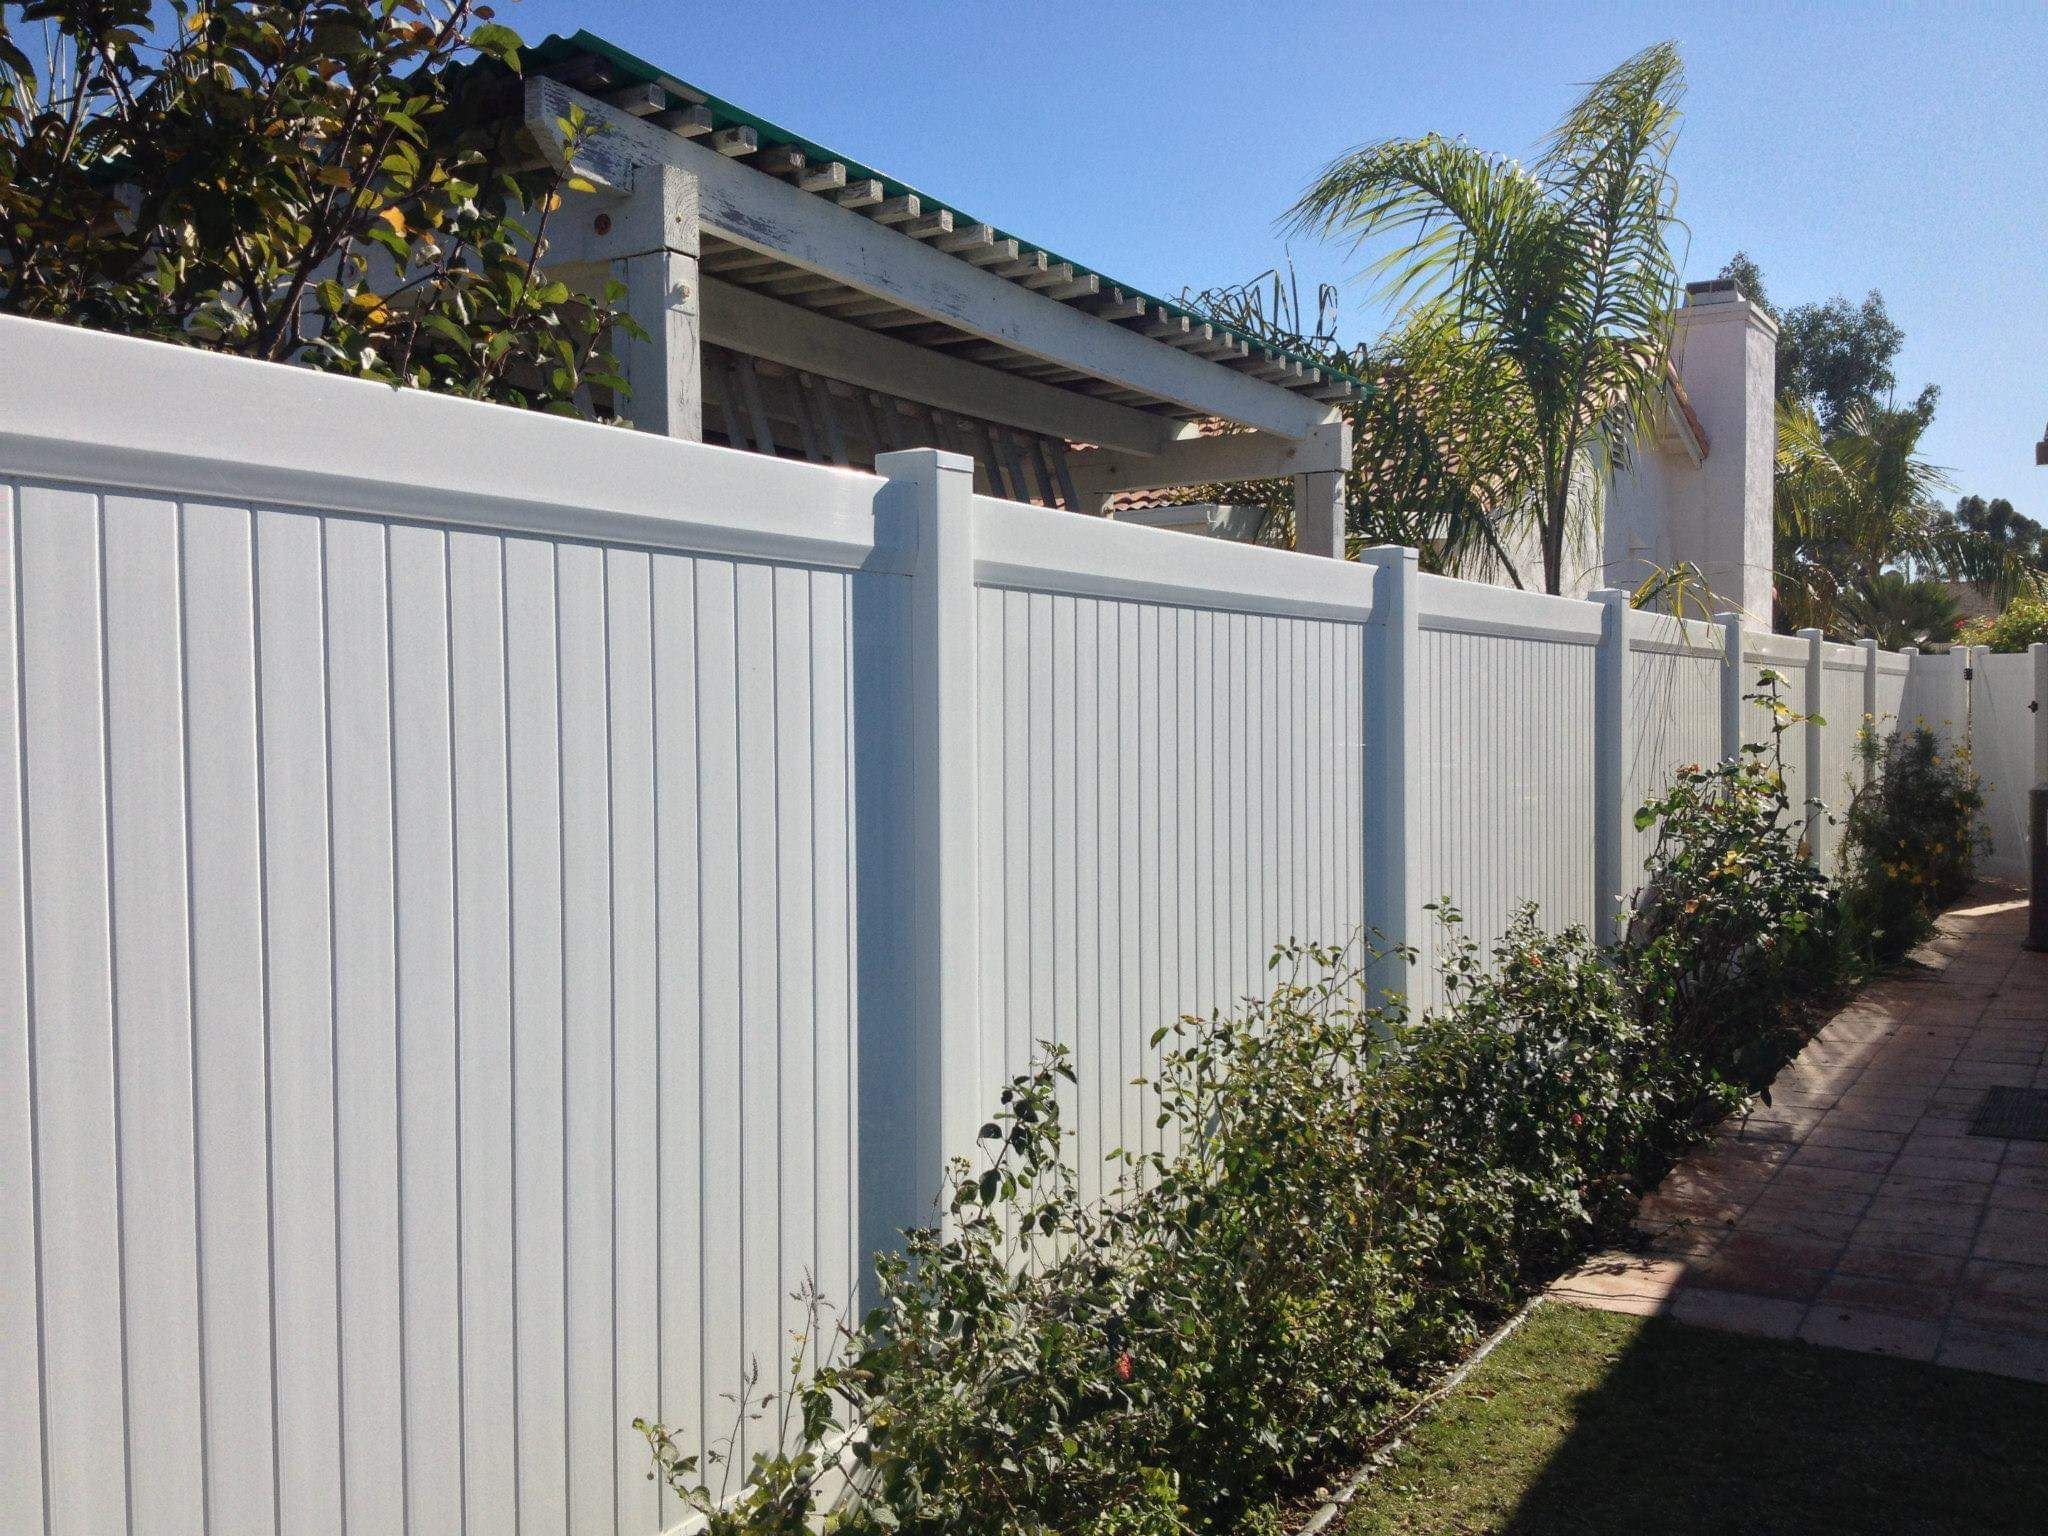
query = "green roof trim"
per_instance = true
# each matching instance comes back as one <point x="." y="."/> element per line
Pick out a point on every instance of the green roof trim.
<point x="632" y="70"/>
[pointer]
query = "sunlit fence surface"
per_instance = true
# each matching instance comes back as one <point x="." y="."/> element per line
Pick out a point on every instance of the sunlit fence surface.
<point x="489" y="904"/>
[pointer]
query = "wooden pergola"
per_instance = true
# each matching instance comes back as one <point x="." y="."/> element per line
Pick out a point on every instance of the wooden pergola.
<point x="800" y="303"/>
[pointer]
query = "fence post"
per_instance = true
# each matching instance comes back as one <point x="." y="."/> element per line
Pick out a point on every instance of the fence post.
<point x="1868" y="753"/>
<point x="1964" y="723"/>
<point x="936" y="491"/>
<point x="1393" y="762"/>
<point x="1732" y="683"/>
<point x="2039" y="704"/>
<point x="1816" y="681"/>
<point x="1613" y="821"/>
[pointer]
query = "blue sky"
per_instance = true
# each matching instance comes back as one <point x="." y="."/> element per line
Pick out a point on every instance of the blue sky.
<point x="1845" y="148"/>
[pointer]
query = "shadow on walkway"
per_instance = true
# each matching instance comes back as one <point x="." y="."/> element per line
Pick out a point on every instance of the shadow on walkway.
<point x="1857" y="1209"/>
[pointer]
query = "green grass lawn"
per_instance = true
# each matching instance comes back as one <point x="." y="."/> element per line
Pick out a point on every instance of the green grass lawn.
<point x="1591" y="1422"/>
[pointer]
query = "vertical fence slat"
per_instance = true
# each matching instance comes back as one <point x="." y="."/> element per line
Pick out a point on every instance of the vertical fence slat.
<point x="534" y="877"/>
<point x="229" y="1017"/>
<point x="21" y="1407"/>
<point x="796" y="942"/>
<point x="679" y="1151"/>
<point x="73" y="1012"/>
<point x="152" y="981"/>
<point x="366" y="1056"/>
<point x="291" y="618"/>
<point x="429" y="1210"/>
<point x="636" y="1109"/>
<point x="484" y="1025"/>
<point x="587" y="1036"/>
<point x="725" y="1261"/>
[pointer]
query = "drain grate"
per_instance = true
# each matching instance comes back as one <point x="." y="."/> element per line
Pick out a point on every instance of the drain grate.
<point x="2019" y="1114"/>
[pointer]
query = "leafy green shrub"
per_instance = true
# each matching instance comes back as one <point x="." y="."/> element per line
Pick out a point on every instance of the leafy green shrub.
<point x="347" y="186"/>
<point x="1734" y="923"/>
<point x="1346" y="1198"/>
<point x="1910" y="841"/>
<point x="2024" y="621"/>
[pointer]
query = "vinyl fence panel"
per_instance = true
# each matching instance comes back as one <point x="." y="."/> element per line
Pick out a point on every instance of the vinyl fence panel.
<point x="1505" y="743"/>
<point x="1786" y="658"/>
<point x="2003" y="754"/>
<point x="1844" y="677"/>
<point x="483" y="922"/>
<point x="1673" y="711"/>
<point x="443" y="1043"/>
<point x="1169" y="786"/>
<point x="1892" y="672"/>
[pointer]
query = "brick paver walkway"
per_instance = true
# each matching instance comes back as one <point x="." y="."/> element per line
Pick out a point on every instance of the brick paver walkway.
<point x="1856" y="1209"/>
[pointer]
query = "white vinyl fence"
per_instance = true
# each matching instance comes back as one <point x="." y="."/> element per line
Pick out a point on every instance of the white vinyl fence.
<point x="1999" y="705"/>
<point x="489" y="904"/>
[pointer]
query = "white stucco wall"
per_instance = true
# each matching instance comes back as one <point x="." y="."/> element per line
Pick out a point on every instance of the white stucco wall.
<point x="1716" y="513"/>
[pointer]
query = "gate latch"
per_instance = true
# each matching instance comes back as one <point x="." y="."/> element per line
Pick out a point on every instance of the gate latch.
<point x="1968" y="673"/>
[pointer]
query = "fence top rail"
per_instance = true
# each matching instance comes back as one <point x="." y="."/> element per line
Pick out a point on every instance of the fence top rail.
<point x="1039" y="549"/>
<point x="1780" y="650"/>
<point x="1668" y="634"/>
<point x="1892" y="664"/>
<point x="1474" y="608"/>
<point x="1843" y="658"/>
<point x="118" y="411"/>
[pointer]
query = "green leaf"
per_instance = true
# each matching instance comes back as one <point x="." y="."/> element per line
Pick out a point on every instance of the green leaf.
<point x="497" y="41"/>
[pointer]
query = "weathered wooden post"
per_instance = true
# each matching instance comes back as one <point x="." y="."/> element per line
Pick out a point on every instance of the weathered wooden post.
<point x="1319" y="494"/>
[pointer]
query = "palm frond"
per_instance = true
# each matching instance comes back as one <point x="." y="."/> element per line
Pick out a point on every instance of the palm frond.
<point x="1561" y="274"/>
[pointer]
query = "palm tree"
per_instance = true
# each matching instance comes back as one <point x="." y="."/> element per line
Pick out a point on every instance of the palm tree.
<point x="1897" y="611"/>
<point x="1996" y="545"/>
<point x="1424" y="469"/>
<point x="1556" y="280"/>
<point x="1854" y="506"/>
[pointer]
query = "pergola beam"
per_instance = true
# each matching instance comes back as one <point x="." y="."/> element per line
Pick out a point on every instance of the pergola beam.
<point x="1194" y="460"/>
<point x="751" y="322"/>
<point x="745" y="208"/>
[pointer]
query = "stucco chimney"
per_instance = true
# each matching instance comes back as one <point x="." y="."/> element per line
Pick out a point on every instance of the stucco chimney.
<point x="1676" y="503"/>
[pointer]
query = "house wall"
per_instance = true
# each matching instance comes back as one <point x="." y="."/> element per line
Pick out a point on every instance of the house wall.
<point x="485" y="915"/>
<point x="1666" y="507"/>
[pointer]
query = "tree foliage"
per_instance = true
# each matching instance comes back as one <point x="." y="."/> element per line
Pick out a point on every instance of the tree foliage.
<point x="2022" y="623"/>
<point x="343" y="184"/>
<point x="1832" y="356"/>
<point x="1847" y="506"/>
<point x="1425" y="438"/>
<point x="1897" y="610"/>
<point x="2000" y="525"/>
<point x="1854" y="506"/>
<point x="1555" y="280"/>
